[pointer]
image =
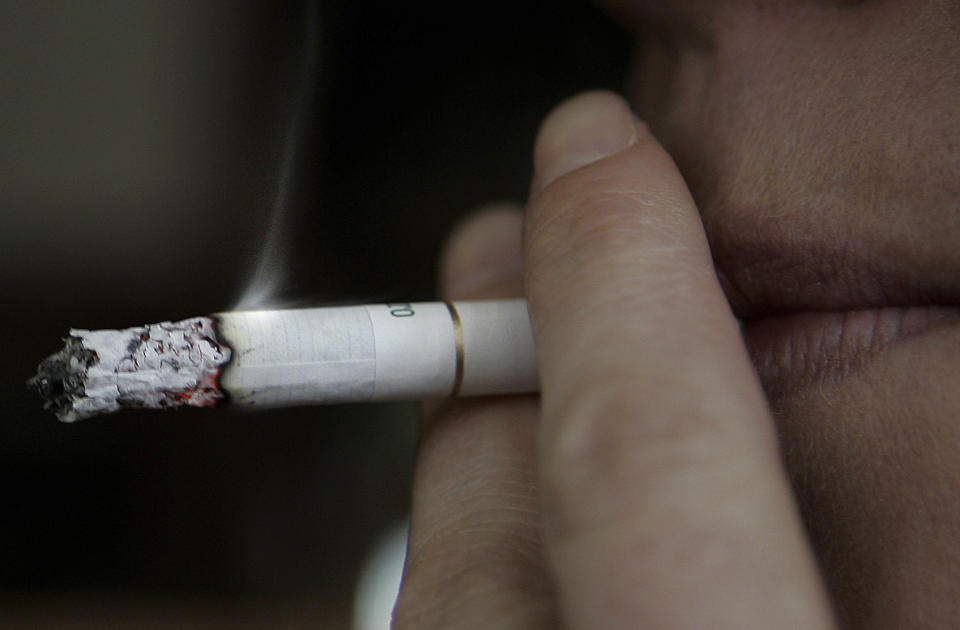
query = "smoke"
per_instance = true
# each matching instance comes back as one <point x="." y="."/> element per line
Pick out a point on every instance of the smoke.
<point x="271" y="267"/>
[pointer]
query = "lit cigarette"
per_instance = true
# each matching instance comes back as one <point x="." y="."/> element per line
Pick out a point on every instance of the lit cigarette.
<point x="272" y="358"/>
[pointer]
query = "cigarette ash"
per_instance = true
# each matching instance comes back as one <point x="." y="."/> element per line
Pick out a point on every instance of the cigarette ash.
<point x="158" y="366"/>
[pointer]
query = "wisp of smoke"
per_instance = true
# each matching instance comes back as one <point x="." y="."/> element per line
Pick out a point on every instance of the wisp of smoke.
<point x="268" y="274"/>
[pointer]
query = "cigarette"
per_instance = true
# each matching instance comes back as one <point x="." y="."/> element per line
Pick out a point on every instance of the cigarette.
<point x="275" y="358"/>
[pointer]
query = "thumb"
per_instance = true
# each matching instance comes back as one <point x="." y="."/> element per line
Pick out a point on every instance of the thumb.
<point x="664" y="499"/>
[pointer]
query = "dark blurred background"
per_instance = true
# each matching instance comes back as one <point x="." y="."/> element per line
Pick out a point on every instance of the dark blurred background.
<point x="143" y="148"/>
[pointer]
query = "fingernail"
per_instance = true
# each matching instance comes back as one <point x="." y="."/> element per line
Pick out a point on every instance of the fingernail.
<point x="581" y="130"/>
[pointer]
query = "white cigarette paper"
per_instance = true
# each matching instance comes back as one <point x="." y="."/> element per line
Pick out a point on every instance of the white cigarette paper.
<point x="398" y="351"/>
<point x="270" y="358"/>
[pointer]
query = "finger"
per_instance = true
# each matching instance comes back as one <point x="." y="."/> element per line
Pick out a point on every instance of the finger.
<point x="474" y="554"/>
<point x="484" y="256"/>
<point x="482" y="259"/>
<point x="665" y="503"/>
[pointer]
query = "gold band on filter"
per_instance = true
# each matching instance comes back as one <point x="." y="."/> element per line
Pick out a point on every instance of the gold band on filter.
<point x="458" y="341"/>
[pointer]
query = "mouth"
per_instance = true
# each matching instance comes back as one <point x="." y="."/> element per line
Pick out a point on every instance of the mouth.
<point x="813" y="315"/>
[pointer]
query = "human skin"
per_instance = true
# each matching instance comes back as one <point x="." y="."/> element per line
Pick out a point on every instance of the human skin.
<point x="677" y="471"/>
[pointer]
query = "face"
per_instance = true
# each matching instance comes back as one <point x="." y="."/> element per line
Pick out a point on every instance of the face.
<point x="821" y="141"/>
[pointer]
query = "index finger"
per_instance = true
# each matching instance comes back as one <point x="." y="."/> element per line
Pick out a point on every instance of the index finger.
<point x="665" y="502"/>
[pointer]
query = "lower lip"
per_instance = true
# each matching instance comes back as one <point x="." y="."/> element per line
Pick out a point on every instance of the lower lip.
<point x="792" y="352"/>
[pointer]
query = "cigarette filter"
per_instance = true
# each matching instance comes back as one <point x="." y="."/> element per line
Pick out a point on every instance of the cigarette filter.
<point x="271" y="358"/>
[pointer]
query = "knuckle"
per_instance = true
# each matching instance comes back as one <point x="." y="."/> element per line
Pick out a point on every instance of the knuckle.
<point x="607" y="453"/>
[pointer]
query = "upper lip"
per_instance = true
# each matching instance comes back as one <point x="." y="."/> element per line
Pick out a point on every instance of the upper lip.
<point x="793" y="256"/>
<point x="766" y="275"/>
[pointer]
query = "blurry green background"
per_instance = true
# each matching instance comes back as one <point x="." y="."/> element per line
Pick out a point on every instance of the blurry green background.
<point x="141" y="149"/>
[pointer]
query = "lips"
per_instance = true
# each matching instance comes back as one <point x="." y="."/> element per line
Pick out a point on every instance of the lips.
<point x="794" y="267"/>
<point x="817" y="308"/>
<point x="820" y="299"/>
<point x="795" y="352"/>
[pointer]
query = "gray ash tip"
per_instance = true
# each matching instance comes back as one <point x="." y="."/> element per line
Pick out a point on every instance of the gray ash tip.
<point x="157" y="366"/>
<point x="60" y="377"/>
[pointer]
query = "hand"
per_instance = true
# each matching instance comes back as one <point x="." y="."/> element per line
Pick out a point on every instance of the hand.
<point x="644" y="488"/>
